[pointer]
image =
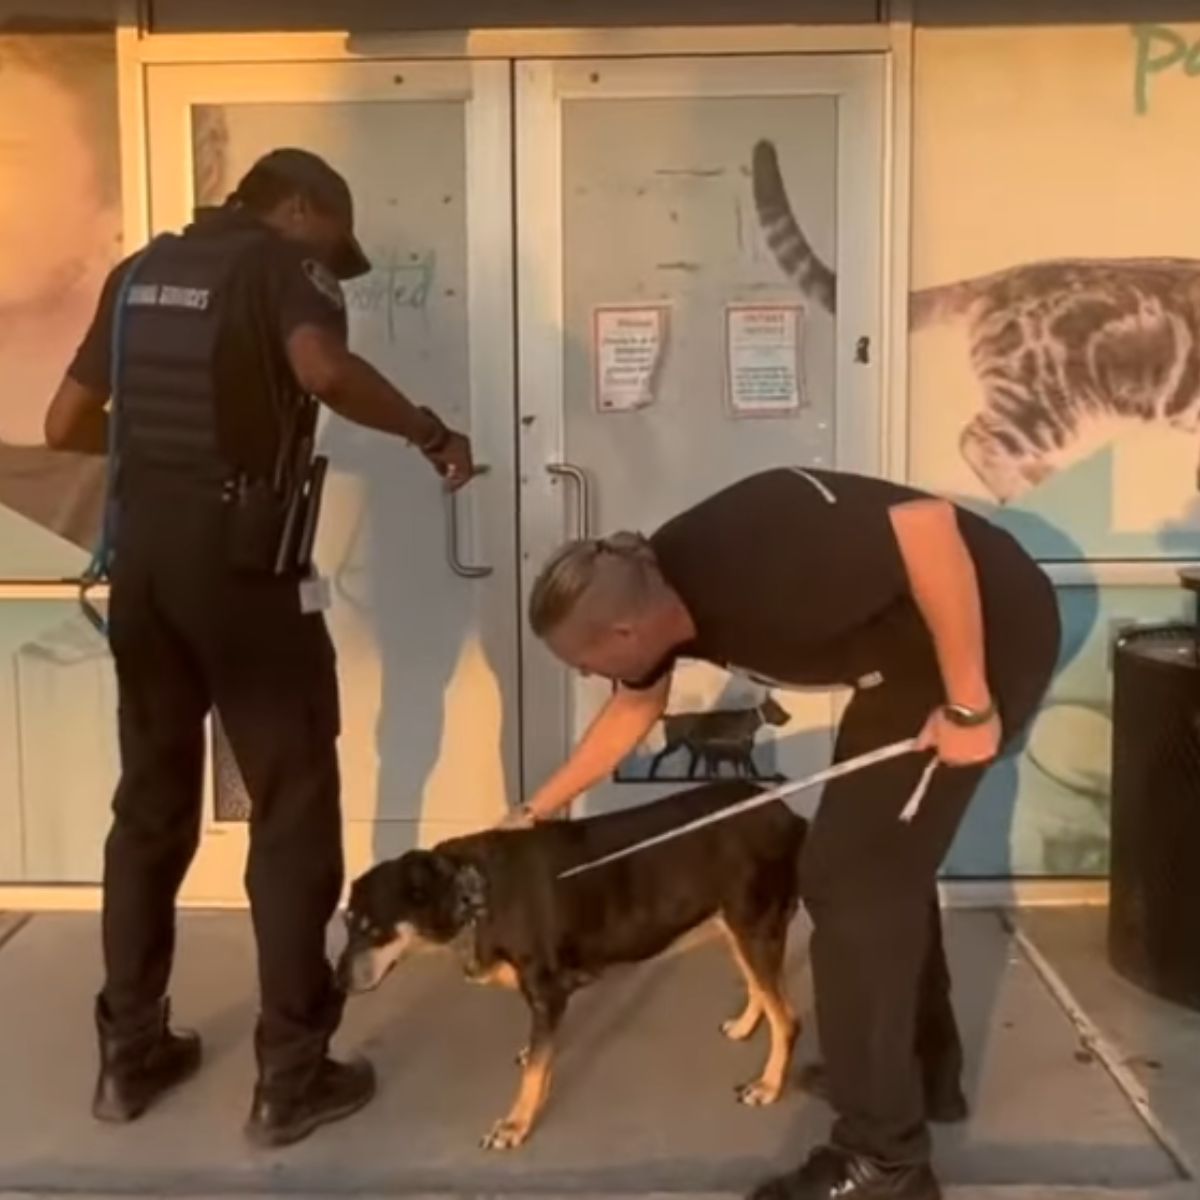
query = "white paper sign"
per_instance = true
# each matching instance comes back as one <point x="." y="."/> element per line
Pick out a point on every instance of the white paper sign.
<point x="628" y="346"/>
<point x="762" y="355"/>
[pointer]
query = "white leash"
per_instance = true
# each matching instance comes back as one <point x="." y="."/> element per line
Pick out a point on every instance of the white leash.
<point x="848" y="767"/>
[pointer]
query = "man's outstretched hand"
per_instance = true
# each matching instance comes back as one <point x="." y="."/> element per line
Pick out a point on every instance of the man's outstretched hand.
<point x="517" y="818"/>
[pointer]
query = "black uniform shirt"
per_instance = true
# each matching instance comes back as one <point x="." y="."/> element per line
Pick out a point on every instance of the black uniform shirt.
<point x="795" y="576"/>
<point x="279" y="286"/>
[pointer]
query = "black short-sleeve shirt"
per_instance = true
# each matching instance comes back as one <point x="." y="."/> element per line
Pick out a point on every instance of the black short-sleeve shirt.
<point x="795" y="576"/>
<point x="278" y="287"/>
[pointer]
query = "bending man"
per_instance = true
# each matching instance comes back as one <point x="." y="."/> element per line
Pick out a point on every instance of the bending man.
<point x="942" y="625"/>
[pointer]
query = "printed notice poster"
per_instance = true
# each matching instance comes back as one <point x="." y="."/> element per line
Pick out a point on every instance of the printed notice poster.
<point x="762" y="351"/>
<point x="628" y="346"/>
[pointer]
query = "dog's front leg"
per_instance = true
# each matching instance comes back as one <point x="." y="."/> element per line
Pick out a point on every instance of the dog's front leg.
<point x="739" y="1028"/>
<point x="546" y="1010"/>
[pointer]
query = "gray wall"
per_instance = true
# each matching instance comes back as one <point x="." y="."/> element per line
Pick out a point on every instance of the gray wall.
<point x="177" y="16"/>
<point x="385" y="15"/>
<point x="56" y="15"/>
<point x="1053" y="12"/>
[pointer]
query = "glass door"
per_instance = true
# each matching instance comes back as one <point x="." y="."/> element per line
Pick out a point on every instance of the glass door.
<point x="676" y="335"/>
<point x="423" y="588"/>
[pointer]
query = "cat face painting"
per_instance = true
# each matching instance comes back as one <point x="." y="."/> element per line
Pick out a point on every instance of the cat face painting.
<point x="1057" y="347"/>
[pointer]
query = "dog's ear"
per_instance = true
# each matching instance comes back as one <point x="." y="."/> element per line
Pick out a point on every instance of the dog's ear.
<point x="424" y="878"/>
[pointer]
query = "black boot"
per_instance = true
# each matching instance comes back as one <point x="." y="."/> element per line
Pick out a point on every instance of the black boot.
<point x="831" y="1174"/>
<point x="139" y="1063"/>
<point x="288" y="1110"/>
<point x="945" y="1103"/>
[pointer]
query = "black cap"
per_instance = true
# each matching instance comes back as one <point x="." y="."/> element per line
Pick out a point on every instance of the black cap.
<point x="312" y="175"/>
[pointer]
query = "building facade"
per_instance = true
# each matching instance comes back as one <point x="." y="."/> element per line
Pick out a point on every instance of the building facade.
<point x="568" y="224"/>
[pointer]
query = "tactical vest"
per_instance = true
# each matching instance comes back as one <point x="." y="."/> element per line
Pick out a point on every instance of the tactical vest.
<point x="170" y="321"/>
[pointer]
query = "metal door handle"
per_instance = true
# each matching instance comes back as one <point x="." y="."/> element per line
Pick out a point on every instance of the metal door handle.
<point x="583" y="495"/>
<point x="461" y="569"/>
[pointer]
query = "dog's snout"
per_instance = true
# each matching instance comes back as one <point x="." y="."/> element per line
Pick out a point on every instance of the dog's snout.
<point x="352" y="971"/>
<point x="363" y="964"/>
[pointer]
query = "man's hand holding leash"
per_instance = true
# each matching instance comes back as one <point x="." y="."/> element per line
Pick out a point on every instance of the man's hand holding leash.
<point x="959" y="745"/>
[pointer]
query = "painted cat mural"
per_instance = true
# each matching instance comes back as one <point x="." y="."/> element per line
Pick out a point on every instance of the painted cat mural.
<point x="1061" y="348"/>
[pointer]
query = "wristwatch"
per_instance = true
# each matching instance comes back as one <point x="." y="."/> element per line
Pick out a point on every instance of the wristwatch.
<point x="966" y="717"/>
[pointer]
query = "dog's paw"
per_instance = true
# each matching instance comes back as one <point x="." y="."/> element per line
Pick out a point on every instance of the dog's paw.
<point x="522" y="1059"/>
<point x="505" y="1135"/>
<point x="757" y="1094"/>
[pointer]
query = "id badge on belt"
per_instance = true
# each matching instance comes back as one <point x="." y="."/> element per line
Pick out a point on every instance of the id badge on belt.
<point x="315" y="594"/>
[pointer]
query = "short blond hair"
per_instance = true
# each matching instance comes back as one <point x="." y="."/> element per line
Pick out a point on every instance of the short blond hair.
<point x="597" y="580"/>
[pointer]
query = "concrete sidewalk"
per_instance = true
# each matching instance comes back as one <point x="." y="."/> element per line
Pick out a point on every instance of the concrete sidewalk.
<point x="643" y="1099"/>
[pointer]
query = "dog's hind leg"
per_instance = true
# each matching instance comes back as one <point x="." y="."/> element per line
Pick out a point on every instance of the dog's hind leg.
<point x="514" y="1128"/>
<point x="739" y="1028"/>
<point x="761" y="954"/>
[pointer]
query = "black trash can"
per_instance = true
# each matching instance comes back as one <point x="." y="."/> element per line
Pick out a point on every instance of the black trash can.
<point x="1154" y="907"/>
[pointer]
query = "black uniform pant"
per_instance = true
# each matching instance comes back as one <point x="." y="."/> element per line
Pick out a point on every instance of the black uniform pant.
<point x="187" y="634"/>
<point x="869" y="881"/>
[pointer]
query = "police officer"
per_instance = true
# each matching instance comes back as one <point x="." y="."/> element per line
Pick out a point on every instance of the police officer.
<point x="946" y="629"/>
<point x="222" y="335"/>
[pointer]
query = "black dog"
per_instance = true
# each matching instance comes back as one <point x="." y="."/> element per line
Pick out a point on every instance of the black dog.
<point x="497" y="898"/>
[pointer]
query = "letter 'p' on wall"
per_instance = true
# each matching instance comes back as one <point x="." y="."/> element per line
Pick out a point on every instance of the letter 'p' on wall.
<point x="1158" y="50"/>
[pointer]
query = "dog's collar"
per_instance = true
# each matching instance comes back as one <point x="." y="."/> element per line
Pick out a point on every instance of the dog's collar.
<point x="470" y="895"/>
<point x="470" y="908"/>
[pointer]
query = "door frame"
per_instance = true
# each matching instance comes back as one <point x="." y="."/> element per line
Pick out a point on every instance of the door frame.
<point x="859" y="84"/>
